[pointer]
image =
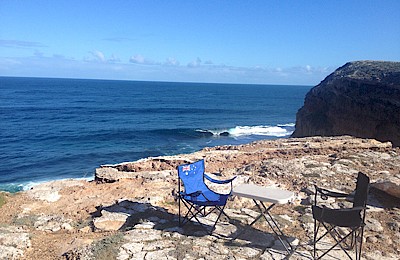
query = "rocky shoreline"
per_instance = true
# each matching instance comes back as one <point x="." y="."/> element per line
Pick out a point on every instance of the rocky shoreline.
<point x="129" y="212"/>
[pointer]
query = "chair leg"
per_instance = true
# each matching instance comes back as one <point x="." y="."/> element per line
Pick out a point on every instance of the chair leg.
<point x="179" y="210"/>
<point x="361" y="242"/>
<point x="221" y="210"/>
<point x="355" y="245"/>
<point x="315" y="239"/>
<point x="338" y="243"/>
<point x="191" y="213"/>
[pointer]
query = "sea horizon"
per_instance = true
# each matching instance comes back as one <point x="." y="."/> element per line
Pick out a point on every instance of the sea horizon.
<point x="155" y="81"/>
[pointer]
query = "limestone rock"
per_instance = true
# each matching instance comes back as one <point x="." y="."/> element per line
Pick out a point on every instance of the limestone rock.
<point x="13" y="242"/>
<point x="52" y="223"/>
<point x="373" y="225"/>
<point x="10" y="252"/>
<point x="390" y="185"/>
<point x="142" y="235"/>
<point x="360" y="99"/>
<point x="110" y="220"/>
<point x="48" y="191"/>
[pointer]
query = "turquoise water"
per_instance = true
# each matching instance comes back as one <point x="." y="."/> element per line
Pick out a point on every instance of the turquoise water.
<point x="65" y="128"/>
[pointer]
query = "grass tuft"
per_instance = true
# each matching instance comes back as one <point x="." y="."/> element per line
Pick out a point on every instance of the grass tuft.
<point x="3" y="199"/>
<point x="108" y="247"/>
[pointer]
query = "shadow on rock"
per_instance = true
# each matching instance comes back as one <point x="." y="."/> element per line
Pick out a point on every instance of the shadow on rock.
<point x="126" y="215"/>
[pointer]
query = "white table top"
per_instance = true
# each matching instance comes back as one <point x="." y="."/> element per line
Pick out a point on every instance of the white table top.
<point x="267" y="194"/>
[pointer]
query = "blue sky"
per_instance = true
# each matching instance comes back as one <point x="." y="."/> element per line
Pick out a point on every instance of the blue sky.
<point x="267" y="42"/>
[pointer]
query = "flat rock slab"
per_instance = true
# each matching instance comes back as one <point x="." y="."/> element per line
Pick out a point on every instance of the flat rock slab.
<point x="48" y="191"/>
<point x="13" y="242"/>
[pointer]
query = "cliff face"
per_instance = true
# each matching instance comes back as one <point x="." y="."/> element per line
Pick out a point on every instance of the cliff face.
<point x="361" y="99"/>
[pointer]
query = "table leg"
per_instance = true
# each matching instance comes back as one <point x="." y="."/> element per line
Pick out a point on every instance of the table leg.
<point x="274" y="226"/>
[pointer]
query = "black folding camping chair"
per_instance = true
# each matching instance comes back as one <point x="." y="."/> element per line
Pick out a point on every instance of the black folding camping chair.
<point x="351" y="219"/>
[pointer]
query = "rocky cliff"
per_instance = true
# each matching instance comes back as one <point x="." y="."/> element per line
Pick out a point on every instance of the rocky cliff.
<point x="361" y="99"/>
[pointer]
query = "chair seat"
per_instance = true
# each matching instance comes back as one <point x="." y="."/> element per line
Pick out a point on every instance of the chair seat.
<point x="338" y="217"/>
<point x="208" y="198"/>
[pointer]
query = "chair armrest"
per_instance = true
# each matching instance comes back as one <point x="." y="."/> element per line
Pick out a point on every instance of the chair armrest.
<point x="359" y="208"/>
<point x="328" y="193"/>
<point x="353" y="209"/>
<point x="218" y="181"/>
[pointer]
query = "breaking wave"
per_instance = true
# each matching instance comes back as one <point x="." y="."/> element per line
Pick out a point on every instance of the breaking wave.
<point x="281" y="130"/>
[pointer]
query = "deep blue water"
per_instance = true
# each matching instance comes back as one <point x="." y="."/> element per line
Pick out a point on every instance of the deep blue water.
<point x="65" y="128"/>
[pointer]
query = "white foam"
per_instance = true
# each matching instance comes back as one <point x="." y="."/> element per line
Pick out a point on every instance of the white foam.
<point x="281" y="130"/>
<point x="213" y="131"/>
<point x="259" y="130"/>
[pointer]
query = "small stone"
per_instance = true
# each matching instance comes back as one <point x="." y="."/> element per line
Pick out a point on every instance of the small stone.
<point x="66" y="226"/>
<point x="373" y="225"/>
<point x="86" y="229"/>
<point x="395" y="226"/>
<point x="56" y="228"/>
<point x="385" y="239"/>
<point x="372" y="239"/>
<point x="145" y="225"/>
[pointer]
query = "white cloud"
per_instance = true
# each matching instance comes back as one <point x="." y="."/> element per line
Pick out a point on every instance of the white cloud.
<point x="171" y="62"/>
<point x="100" y="66"/>
<point x="96" y="56"/>
<point x="195" y="63"/>
<point x="113" y="58"/>
<point x="139" y="59"/>
<point x="20" y="44"/>
<point x="99" y="57"/>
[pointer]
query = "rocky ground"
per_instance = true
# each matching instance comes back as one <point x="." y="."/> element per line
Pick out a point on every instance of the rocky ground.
<point x="129" y="212"/>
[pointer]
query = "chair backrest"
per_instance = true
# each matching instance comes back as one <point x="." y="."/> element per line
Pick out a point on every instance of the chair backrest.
<point x="192" y="176"/>
<point x="362" y="187"/>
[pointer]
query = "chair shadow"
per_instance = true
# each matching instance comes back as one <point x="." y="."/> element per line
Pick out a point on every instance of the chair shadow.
<point x="143" y="213"/>
<point x="381" y="200"/>
<point x="156" y="217"/>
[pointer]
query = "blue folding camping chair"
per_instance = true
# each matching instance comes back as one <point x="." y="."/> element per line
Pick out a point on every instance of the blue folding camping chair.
<point x="197" y="196"/>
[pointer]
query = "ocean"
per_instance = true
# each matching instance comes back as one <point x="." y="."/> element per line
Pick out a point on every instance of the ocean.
<point x="65" y="128"/>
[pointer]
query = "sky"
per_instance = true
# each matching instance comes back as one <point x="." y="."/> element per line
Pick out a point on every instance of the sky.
<point x="248" y="41"/>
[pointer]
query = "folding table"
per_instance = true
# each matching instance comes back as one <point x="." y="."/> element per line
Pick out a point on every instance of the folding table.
<point x="259" y="195"/>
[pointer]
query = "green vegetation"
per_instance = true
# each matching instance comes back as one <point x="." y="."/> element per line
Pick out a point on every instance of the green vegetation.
<point x="28" y="220"/>
<point x="82" y="223"/>
<point x="2" y="199"/>
<point x="170" y="203"/>
<point x="107" y="248"/>
<point x="301" y="209"/>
